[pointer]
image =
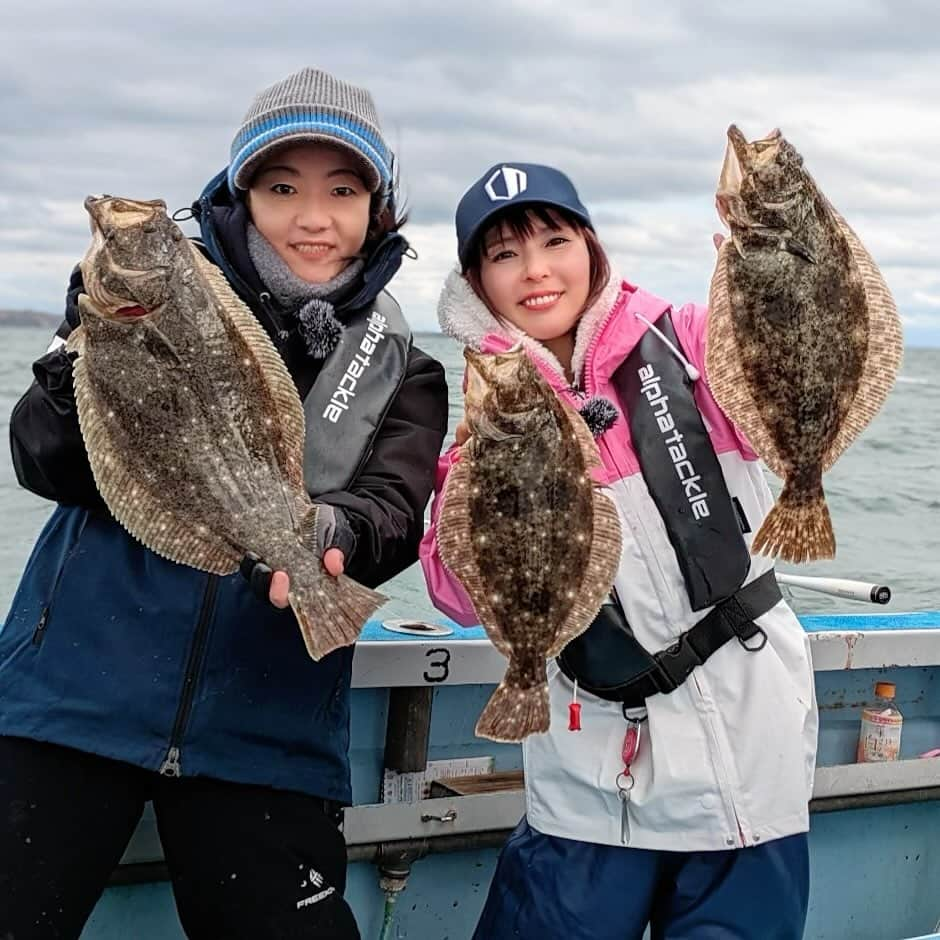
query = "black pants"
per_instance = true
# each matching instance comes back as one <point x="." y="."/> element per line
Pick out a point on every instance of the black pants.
<point x="245" y="861"/>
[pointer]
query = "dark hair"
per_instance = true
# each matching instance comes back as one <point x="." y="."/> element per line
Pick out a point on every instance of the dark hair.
<point x="520" y="220"/>
<point x="384" y="219"/>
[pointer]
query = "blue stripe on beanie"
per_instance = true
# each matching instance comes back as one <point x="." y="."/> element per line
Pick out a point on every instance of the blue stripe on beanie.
<point x="312" y="116"/>
<point x="352" y="135"/>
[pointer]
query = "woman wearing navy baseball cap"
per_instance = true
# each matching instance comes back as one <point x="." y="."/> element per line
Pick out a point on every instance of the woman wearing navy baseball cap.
<point x="654" y="798"/>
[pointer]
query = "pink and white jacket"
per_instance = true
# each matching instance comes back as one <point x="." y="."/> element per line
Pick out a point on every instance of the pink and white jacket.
<point x="726" y="760"/>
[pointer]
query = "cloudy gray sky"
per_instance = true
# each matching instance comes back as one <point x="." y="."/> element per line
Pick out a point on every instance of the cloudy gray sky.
<point x="631" y="99"/>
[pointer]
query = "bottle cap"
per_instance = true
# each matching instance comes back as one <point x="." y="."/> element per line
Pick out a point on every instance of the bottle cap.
<point x="884" y="689"/>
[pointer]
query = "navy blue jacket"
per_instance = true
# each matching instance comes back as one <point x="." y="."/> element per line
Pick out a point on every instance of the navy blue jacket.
<point x="114" y="650"/>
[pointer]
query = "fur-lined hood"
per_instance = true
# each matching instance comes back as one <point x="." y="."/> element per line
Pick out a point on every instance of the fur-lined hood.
<point x="467" y="319"/>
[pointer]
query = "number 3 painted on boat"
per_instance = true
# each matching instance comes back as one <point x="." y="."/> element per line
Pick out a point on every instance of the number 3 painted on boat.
<point x="443" y="665"/>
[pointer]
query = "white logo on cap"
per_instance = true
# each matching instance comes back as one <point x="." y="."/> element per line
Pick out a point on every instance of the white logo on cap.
<point x="514" y="182"/>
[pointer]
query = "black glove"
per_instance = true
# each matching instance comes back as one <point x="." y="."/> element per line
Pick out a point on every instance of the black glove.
<point x="333" y="531"/>
<point x="257" y="574"/>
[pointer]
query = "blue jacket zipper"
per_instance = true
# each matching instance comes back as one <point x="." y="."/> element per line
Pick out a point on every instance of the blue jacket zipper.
<point x="171" y="766"/>
<point x="40" y="632"/>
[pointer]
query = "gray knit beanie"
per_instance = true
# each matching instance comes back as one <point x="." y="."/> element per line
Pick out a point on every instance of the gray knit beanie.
<point x="311" y="105"/>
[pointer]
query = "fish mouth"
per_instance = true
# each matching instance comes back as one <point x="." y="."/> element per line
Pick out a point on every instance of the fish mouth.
<point x="134" y="312"/>
<point x="482" y="362"/>
<point x="484" y="371"/>
<point x="742" y="157"/>
<point x="115" y="292"/>
<point x="476" y="385"/>
<point x="118" y="311"/>
<point x="108" y="212"/>
<point x="732" y="173"/>
<point x="116" y="288"/>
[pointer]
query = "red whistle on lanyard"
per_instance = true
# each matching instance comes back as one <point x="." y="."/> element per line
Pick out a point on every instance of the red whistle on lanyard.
<point x="574" y="711"/>
<point x="631" y="744"/>
<point x="574" y="717"/>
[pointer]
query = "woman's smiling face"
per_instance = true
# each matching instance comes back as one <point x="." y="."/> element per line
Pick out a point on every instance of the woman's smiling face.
<point x="312" y="205"/>
<point x="538" y="281"/>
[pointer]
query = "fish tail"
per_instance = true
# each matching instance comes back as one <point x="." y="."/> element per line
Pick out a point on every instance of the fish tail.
<point x="513" y="713"/>
<point x="798" y="528"/>
<point x="331" y="612"/>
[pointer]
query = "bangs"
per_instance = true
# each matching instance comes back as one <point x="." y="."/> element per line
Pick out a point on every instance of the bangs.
<point x="521" y="221"/>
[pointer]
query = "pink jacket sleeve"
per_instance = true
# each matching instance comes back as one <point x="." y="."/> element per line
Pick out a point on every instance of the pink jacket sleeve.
<point x="445" y="591"/>
<point x="691" y="323"/>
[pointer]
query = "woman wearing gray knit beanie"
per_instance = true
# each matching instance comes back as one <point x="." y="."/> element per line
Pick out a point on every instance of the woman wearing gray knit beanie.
<point x="207" y="702"/>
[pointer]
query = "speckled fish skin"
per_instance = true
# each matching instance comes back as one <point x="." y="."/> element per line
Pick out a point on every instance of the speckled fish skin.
<point x="526" y="530"/>
<point x="192" y="423"/>
<point x="804" y="341"/>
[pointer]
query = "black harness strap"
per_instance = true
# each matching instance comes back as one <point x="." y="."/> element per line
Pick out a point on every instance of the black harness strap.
<point x="733" y="618"/>
<point x="665" y="671"/>
<point x="680" y="468"/>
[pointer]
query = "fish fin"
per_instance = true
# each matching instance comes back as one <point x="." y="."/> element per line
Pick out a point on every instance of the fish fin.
<point x="600" y="571"/>
<point x="308" y="529"/>
<point x="331" y="612"/>
<point x="513" y="713"/>
<point x="288" y="433"/>
<point x="119" y="482"/>
<point x="798" y="528"/>
<point x="725" y="374"/>
<point x="76" y="341"/>
<point x="885" y="348"/>
<point x="455" y="547"/>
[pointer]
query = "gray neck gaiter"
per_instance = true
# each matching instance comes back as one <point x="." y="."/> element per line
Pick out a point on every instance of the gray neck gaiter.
<point x="311" y="304"/>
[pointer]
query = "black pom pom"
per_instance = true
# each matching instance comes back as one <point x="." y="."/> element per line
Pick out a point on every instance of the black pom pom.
<point x="319" y="327"/>
<point x="599" y="414"/>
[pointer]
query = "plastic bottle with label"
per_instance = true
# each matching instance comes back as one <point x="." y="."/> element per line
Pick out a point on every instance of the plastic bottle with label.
<point x="880" y="734"/>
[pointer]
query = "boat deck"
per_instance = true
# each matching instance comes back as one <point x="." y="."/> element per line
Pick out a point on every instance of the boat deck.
<point x="875" y="828"/>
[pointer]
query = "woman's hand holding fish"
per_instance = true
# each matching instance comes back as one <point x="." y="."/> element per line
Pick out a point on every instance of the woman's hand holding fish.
<point x="333" y="532"/>
<point x="333" y="560"/>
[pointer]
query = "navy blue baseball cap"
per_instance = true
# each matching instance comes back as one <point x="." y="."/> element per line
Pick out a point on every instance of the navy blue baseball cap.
<point x="508" y="185"/>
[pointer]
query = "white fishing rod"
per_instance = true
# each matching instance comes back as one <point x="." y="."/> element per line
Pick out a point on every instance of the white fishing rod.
<point x="839" y="587"/>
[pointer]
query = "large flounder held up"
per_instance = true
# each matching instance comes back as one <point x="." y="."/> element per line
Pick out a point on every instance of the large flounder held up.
<point x="526" y="531"/>
<point x="804" y="341"/>
<point x="192" y="423"/>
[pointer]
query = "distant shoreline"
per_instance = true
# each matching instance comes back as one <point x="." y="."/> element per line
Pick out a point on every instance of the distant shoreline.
<point x="27" y="318"/>
<point x="38" y="318"/>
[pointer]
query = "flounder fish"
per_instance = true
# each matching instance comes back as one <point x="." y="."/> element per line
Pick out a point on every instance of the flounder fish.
<point x="526" y="530"/>
<point x="804" y="340"/>
<point x="192" y="423"/>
